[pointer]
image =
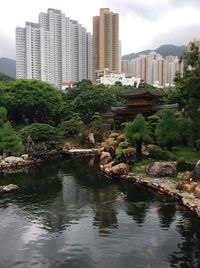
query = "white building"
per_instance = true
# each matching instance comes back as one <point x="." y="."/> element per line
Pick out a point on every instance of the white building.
<point x="54" y="51"/>
<point x="109" y="79"/>
<point x="154" y="69"/>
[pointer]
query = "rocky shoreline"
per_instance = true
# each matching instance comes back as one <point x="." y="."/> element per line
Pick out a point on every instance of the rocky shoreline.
<point x="162" y="185"/>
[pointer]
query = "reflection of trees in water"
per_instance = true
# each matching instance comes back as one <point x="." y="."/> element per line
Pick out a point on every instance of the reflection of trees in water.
<point x="57" y="194"/>
<point x="100" y="192"/>
<point x="105" y="213"/>
<point x="166" y="214"/>
<point x="188" y="253"/>
<point x="138" y="200"/>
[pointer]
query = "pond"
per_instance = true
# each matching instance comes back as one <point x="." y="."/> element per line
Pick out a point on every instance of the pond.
<point x="66" y="214"/>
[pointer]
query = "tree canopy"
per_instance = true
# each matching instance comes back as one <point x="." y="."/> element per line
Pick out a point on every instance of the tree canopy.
<point x="29" y="101"/>
<point x="168" y="130"/>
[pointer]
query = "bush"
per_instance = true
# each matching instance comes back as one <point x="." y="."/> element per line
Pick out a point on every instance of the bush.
<point x="129" y="151"/>
<point x="159" y="154"/>
<point x="183" y="165"/>
<point x="119" y="153"/>
<point x="40" y="133"/>
<point x="123" y="145"/>
<point x="10" y="142"/>
<point x="125" y="155"/>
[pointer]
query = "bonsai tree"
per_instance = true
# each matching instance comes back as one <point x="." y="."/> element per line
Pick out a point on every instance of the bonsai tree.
<point x="137" y="133"/>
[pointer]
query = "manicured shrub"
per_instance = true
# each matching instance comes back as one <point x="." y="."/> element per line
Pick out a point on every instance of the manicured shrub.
<point x="40" y="133"/>
<point x="123" y="145"/>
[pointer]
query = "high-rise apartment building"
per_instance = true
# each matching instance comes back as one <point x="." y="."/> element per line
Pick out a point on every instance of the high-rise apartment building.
<point x="153" y="68"/>
<point x="89" y="56"/>
<point x="55" y="50"/>
<point x="106" y="41"/>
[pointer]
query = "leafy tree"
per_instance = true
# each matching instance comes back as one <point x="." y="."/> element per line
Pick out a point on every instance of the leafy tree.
<point x="191" y="57"/>
<point x="136" y="133"/>
<point x="187" y="93"/>
<point x="96" y="126"/>
<point x="40" y="133"/>
<point x="98" y="99"/>
<point x="3" y="116"/>
<point x="168" y="130"/>
<point x="30" y="101"/>
<point x="10" y="142"/>
<point x="73" y="126"/>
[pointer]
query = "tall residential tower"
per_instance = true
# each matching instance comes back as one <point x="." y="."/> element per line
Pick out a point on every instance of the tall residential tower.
<point x="56" y="50"/>
<point x="105" y="41"/>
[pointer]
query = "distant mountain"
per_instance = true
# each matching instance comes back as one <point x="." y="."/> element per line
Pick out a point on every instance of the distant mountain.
<point x="164" y="50"/>
<point x="8" y="67"/>
<point x="4" y="77"/>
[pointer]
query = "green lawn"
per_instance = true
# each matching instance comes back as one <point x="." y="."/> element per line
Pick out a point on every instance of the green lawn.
<point x="188" y="153"/>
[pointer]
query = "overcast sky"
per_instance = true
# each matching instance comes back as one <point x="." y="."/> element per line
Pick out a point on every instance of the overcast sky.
<point x="144" y="24"/>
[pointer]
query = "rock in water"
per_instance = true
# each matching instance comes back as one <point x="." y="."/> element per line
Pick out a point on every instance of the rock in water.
<point x="8" y="188"/>
<point x="163" y="169"/>
<point x="197" y="171"/>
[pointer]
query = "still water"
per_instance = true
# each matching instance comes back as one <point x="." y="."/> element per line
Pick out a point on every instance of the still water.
<point x="67" y="215"/>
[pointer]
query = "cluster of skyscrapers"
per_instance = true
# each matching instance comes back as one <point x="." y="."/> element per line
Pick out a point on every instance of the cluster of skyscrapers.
<point x="59" y="50"/>
<point x="55" y="50"/>
<point x="154" y="69"/>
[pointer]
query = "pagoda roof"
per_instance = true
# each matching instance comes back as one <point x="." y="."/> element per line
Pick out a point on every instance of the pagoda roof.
<point x="139" y="92"/>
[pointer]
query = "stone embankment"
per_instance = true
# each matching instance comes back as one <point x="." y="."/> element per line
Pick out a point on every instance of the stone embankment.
<point x="161" y="176"/>
<point x="187" y="192"/>
<point x="12" y="163"/>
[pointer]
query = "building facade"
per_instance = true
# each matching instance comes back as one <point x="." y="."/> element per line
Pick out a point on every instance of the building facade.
<point x="153" y="69"/>
<point x="55" y="50"/>
<point x="106" y="45"/>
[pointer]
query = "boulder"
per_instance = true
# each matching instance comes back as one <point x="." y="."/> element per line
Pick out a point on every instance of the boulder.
<point x="190" y="187"/>
<point x="13" y="160"/>
<point x="162" y="169"/>
<point x="24" y="156"/>
<point x="187" y="176"/>
<point x="105" y="158"/>
<point x="120" y="169"/>
<point x="8" y="188"/>
<point x="67" y="146"/>
<point x="197" y="191"/>
<point x="114" y="135"/>
<point x="197" y="171"/>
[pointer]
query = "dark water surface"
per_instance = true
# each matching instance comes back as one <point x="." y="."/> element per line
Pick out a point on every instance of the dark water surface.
<point x="67" y="215"/>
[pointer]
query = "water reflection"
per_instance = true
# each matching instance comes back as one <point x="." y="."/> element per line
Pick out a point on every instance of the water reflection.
<point x="187" y="254"/>
<point x="67" y="215"/>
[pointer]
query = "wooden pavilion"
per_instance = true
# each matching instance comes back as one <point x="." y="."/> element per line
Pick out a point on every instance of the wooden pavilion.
<point x="139" y="101"/>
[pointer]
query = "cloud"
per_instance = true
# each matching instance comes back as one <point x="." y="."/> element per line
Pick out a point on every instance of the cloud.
<point x="150" y="11"/>
<point x="185" y="34"/>
<point x="194" y="3"/>
<point x="7" y="46"/>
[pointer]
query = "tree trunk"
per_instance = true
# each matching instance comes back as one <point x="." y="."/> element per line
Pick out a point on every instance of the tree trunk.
<point x="139" y="151"/>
